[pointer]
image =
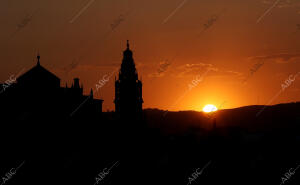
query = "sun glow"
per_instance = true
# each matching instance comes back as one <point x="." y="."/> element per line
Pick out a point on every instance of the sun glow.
<point x="209" y="108"/>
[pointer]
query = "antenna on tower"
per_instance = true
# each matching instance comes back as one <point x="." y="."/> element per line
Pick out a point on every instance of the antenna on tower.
<point x="38" y="58"/>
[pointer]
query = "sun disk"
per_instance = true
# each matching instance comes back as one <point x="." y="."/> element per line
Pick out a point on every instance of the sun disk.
<point x="209" y="108"/>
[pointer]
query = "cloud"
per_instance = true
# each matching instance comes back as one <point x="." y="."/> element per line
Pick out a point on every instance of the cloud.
<point x="233" y="73"/>
<point x="85" y="67"/>
<point x="75" y="66"/>
<point x="279" y="58"/>
<point x="200" y="68"/>
<point x="194" y="69"/>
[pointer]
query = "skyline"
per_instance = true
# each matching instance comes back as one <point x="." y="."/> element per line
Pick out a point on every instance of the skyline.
<point x="91" y="47"/>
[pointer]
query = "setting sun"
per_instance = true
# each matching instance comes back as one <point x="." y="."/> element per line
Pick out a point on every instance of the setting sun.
<point x="209" y="108"/>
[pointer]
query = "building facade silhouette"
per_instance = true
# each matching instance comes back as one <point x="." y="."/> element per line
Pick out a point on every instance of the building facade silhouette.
<point x="37" y="95"/>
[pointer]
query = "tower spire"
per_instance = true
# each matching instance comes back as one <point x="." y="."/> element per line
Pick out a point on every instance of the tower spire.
<point x="128" y="44"/>
<point x="38" y="58"/>
<point x="91" y="93"/>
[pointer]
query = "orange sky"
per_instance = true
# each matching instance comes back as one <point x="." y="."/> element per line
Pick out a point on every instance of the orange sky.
<point x="181" y="38"/>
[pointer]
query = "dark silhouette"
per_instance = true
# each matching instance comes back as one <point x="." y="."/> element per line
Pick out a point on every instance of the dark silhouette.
<point x="128" y="89"/>
<point x="61" y="136"/>
<point x="37" y="95"/>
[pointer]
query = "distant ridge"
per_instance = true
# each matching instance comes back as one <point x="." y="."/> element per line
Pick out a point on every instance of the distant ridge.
<point x="278" y="116"/>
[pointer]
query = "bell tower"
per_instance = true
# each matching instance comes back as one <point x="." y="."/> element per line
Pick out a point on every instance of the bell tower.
<point x="128" y="89"/>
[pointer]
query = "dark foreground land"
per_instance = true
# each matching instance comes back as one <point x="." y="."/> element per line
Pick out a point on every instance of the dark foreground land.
<point x="231" y="147"/>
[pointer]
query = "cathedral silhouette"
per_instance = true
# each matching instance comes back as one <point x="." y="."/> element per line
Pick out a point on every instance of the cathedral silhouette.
<point x="62" y="137"/>
<point x="37" y="95"/>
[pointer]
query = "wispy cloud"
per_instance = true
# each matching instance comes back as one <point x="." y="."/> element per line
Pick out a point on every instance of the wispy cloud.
<point x="76" y="66"/>
<point x="194" y="68"/>
<point x="278" y="57"/>
<point x="86" y="67"/>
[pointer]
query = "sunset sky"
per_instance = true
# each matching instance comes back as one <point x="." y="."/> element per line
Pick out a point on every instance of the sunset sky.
<point x="188" y="53"/>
